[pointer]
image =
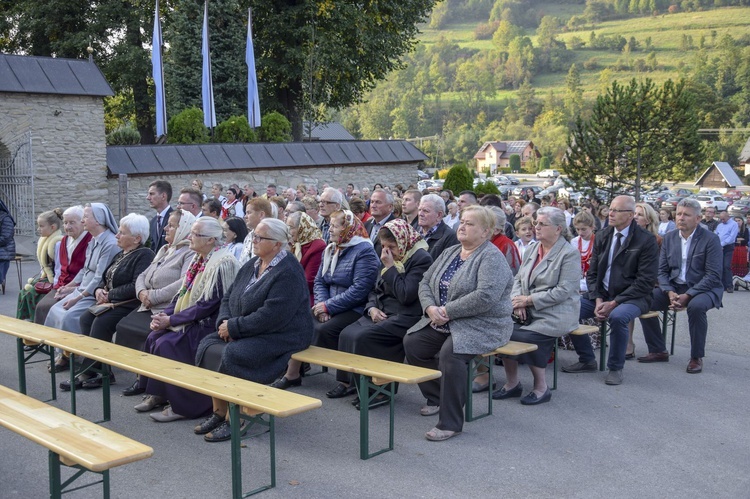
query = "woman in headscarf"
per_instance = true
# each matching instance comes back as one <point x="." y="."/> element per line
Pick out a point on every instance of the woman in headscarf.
<point x="48" y="224"/>
<point x="393" y="306"/>
<point x="344" y="281"/>
<point x="100" y="223"/>
<point x="158" y="284"/>
<point x="306" y="242"/>
<point x="191" y="316"/>
<point x="7" y="241"/>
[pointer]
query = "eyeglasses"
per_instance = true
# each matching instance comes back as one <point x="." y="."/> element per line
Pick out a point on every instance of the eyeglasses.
<point x="180" y="203"/>
<point x="611" y="210"/>
<point x="537" y="223"/>
<point x="323" y="201"/>
<point x="193" y="234"/>
<point x="256" y="238"/>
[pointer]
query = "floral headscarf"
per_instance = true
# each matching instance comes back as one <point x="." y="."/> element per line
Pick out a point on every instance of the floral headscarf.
<point x="352" y="234"/>
<point x="408" y="241"/>
<point x="307" y="232"/>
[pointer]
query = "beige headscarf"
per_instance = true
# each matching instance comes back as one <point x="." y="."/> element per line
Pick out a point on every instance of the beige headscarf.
<point x="180" y="236"/>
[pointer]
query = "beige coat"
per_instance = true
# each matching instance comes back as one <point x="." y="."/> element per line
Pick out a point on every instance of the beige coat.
<point x="163" y="278"/>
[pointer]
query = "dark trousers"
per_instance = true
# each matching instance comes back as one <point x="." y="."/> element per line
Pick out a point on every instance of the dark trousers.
<point x="726" y="269"/>
<point x="326" y="335"/>
<point x="697" y="322"/>
<point x="103" y="326"/>
<point x="618" y="320"/>
<point x="448" y="391"/>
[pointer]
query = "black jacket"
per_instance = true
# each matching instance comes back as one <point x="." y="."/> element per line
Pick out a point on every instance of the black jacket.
<point x="444" y="237"/>
<point x="368" y="228"/>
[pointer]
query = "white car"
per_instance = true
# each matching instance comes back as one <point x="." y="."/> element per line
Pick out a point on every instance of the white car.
<point x="717" y="202"/>
<point x="548" y="174"/>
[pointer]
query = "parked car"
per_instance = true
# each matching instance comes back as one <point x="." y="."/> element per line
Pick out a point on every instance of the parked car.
<point x="682" y="192"/>
<point x="513" y="180"/>
<point x="715" y="201"/>
<point x="501" y="180"/>
<point x="670" y="204"/>
<point x="740" y="208"/>
<point x="505" y="190"/>
<point x="423" y="175"/>
<point x="548" y="174"/>
<point x="655" y="199"/>
<point x="733" y="194"/>
<point x="520" y="189"/>
<point x="708" y="192"/>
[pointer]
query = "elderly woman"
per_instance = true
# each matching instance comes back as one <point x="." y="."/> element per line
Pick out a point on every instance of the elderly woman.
<point x="307" y="244"/>
<point x="48" y="224"/>
<point x="158" y="284"/>
<point x="70" y="255"/>
<point x="465" y="296"/>
<point x="191" y="315"/>
<point x="264" y="318"/>
<point x="503" y="242"/>
<point x="451" y="219"/>
<point x="66" y="313"/>
<point x="546" y="303"/>
<point x="346" y="277"/>
<point x="235" y="232"/>
<point x="393" y="306"/>
<point x="117" y="290"/>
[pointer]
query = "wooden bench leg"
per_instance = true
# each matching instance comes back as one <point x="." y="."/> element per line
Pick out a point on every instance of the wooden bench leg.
<point x="57" y="487"/>
<point x="474" y="365"/>
<point x="23" y="360"/>
<point x="235" y="420"/>
<point x="669" y="318"/>
<point x="364" y="388"/>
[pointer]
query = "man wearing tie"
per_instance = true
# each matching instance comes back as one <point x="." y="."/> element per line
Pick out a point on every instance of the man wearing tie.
<point x="689" y="279"/>
<point x="620" y="279"/>
<point x="381" y="209"/>
<point x="159" y="195"/>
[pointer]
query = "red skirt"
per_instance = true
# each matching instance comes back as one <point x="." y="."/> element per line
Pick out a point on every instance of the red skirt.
<point x="739" y="261"/>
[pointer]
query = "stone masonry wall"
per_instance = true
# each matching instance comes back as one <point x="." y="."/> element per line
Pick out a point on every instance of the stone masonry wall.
<point x="360" y="176"/>
<point x="68" y="145"/>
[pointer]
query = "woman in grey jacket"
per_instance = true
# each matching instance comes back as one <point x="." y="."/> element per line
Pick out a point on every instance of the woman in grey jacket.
<point x="465" y="296"/>
<point x="545" y="294"/>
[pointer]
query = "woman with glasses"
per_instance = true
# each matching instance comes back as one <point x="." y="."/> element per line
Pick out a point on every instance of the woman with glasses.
<point x="264" y="318"/>
<point x="546" y="303"/>
<point x="177" y="331"/>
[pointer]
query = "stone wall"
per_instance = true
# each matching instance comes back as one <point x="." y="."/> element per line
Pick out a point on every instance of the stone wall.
<point x="68" y="145"/>
<point x="360" y="176"/>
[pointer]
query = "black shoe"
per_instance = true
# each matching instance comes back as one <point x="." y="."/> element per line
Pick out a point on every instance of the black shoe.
<point x="502" y="393"/>
<point x="29" y="348"/>
<point x="223" y="432"/>
<point x="283" y="383"/>
<point x="304" y="368"/>
<point x="580" y="367"/>
<point x="80" y="379"/>
<point x="532" y="399"/>
<point x="134" y="389"/>
<point x="379" y="401"/>
<point x="61" y="364"/>
<point x="97" y="382"/>
<point x="341" y="391"/>
<point x="210" y="423"/>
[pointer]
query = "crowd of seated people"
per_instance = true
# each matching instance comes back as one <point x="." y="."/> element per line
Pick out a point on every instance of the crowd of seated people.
<point x="237" y="282"/>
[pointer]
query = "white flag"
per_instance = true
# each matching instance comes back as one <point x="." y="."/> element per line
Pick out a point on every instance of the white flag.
<point x="157" y="71"/>
<point x="207" y="89"/>
<point x="253" y="100"/>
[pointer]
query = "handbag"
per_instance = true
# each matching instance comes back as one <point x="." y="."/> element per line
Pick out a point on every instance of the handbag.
<point x="97" y="310"/>
<point x="42" y="287"/>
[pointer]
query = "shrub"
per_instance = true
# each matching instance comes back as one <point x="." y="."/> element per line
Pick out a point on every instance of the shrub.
<point x="123" y="135"/>
<point x="673" y="9"/>
<point x="484" y="31"/>
<point x="187" y="128"/>
<point x="486" y="187"/>
<point x="515" y="163"/>
<point x="459" y="179"/>
<point x="544" y="163"/>
<point x="591" y="63"/>
<point x="235" y="129"/>
<point x="275" y="128"/>
<point x="442" y="173"/>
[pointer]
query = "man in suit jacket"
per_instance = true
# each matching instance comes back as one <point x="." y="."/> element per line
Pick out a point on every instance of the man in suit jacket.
<point x="381" y="209"/>
<point x="431" y="226"/>
<point x="159" y="195"/>
<point x="620" y="279"/>
<point x="689" y="279"/>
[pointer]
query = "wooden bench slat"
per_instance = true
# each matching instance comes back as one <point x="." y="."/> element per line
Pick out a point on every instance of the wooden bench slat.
<point x="583" y="329"/>
<point x="76" y="440"/>
<point x="268" y="400"/>
<point x="382" y="371"/>
<point x="512" y="348"/>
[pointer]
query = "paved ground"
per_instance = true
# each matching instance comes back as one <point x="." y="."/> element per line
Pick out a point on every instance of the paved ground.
<point x="663" y="433"/>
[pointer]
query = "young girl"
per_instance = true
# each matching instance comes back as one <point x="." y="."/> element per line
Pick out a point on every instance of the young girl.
<point x="584" y="242"/>
<point x="525" y="233"/>
<point x="48" y="227"/>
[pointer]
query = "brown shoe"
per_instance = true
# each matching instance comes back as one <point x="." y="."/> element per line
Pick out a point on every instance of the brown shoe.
<point x="695" y="366"/>
<point x="655" y="357"/>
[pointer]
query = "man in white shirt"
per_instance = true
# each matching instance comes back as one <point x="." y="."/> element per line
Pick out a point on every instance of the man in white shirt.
<point x="727" y="231"/>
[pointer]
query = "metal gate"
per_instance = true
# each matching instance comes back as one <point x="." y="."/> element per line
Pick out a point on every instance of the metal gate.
<point x="17" y="183"/>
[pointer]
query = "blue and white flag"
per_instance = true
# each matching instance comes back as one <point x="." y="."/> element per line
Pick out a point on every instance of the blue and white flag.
<point x="253" y="100"/>
<point x="157" y="71"/>
<point x="207" y="88"/>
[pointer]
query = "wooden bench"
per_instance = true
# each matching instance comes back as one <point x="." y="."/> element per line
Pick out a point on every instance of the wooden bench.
<point x="376" y="377"/>
<point x="579" y="331"/>
<point x="486" y="360"/>
<point x="256" y="400"/>
<point x="71" y="441"/>
<point x="669" y="317"/>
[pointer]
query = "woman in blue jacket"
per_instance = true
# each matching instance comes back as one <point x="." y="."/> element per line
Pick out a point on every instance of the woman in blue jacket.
<point x="346" y="277"/>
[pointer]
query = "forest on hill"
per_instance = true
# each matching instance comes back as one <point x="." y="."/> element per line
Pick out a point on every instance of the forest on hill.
<point x="526" y="69"/>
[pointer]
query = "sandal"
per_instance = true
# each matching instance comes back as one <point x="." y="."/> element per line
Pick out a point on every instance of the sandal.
<point x="437" y="435"/>
<point x="429" y="410"/>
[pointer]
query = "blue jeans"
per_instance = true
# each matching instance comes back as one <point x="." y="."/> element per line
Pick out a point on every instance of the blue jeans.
<point x="619" y="319"/>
